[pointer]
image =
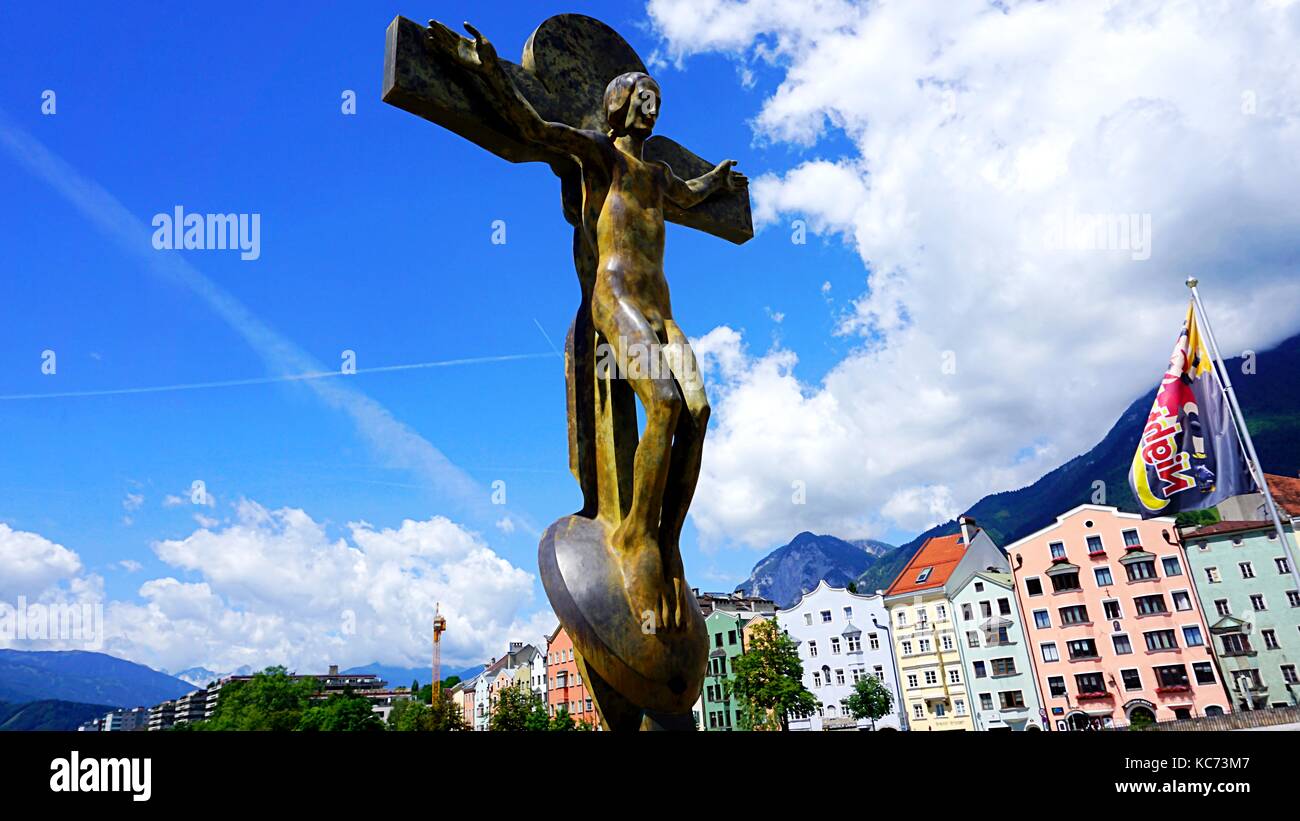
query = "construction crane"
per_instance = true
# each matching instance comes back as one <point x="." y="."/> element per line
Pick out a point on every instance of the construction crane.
<point x="439" y="626"/>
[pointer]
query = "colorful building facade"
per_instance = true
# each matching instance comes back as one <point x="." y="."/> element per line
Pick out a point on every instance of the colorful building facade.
<point x="925" y="632"/>
<point x="1115" y="627"/>
<point x="1249" y="595"/>
<point x="718" y="709"/>
<point x="565" y="690"/>
<point x="995" y="655"/>
<point x="842" y="637"/>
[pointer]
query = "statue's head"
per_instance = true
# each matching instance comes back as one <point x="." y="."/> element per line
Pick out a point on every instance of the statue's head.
<point x="631" y="104"/>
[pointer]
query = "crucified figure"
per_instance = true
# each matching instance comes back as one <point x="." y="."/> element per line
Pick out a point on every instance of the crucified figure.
<point x="624" y="198"/>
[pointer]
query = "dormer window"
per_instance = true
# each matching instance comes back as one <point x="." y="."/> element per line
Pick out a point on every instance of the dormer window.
<point x="923" y="575"/>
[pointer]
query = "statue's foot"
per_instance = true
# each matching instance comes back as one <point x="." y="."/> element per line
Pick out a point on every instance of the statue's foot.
<point x="656" y="599"/>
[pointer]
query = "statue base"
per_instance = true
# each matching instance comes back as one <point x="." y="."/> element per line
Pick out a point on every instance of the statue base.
<point x="638" y="676"/>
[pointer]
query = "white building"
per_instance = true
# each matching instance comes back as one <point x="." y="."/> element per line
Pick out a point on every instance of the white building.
<point x="842" y="637"/>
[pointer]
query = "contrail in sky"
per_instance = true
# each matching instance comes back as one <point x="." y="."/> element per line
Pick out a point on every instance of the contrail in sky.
<point x="393" y="440"/>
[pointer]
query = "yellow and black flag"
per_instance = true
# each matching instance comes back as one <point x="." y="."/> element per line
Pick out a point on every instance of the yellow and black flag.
<point x="1190" y="456"/>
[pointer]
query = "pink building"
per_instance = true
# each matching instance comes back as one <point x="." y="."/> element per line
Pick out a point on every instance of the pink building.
<point x="1115" y="630"/>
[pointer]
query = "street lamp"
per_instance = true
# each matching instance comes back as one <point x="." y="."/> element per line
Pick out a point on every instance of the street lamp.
<point x="898" y="678"/>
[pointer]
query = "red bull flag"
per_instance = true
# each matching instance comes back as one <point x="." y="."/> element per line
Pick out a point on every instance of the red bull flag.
<point x="1189" y="456"/>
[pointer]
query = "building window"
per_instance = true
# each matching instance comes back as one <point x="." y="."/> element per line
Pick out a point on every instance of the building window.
<point x="1132" y="680"/>
<point x="812" y="649"/>
<point x="873" y="641"/>
<point x="1212" y="575"/>
<point x="946" y="641"/>
<point x="966" y="613"/>
<point x="979" y="587"/>
<point x="1141" y="571"/>
<point x="986" y="701"/>
<point x="918" y="711"/>
<point x="979" y="669"/>
<point x="1235" y="644"/>
<point x="1094" y="546"/>
<point x="1293" y="598"/>
<point x="807" y="619"/>
<point x="1090" y="683"/>
<point x="901" y="616"/>
<point x="731" y="637"/>
<point x="855" y="643"/>
<point x="839" y="676"/>
<point x="1004" y="607"/>
<point x="973" y="638"/>
<point x="1042" y="620"/>
<point x="1066" y="581"/>
<point x="954" y="676"/>
<point x="1247" y="570"/>
<point x="848" y="614"/>
<point x="1171" y="566"/>
<point x="1270" y="639"/>
<point x="1082" y="649"/>
<point x="986" y="610"/>
<point x="1002" y="667"/>
<point x="817" y="679"/>
<point x="1173" y="676"/>
<point x="1057" y="549"/>
<point x="931" y="678"/>
<point x="1075" y="614"/>
<point x="959" y="707"/>
<point x="1056" y="686"/>
<point x="923" y="645"/>
<point x="1288" y="674"/>
<point x="923" y="575"/>
<point x="1131" y="539"/>
<point x="826" y="616"/>
<point x="1192" y="636"/>
<point x="1282" y="567"/>
<point x="1104" y="579"/>
<point x="1257" y="601"/>
<point x="1033" y="587"/>
<point x="1049" y="652"/>
<point x="922" y="619"/>
<point x="1221" y="606"/>
<point x="1012" y="699"/>
<point x="1182" y="601"/>
<point x="912" y="680"/>
<point x="1204" y="671"/>
<point x="1122" y="645"/>
<point x="1161" y="640"/>
<point x="835" y="646"/>
<point x="907" y="648"/>
<point x="1150" y="605"/>
<point x="1111" y="609"/>
<point x="940" y="612"/>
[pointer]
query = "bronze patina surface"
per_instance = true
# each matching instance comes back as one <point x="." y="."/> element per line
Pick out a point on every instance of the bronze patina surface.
<point x="581" y="101"/>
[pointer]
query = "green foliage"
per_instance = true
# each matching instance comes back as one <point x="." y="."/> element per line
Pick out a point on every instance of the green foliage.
<point x="341" y="712"/>
<point x="411" y="715"/>
<point x="563" y="722"/>
<point x="1196" y="518"/>
<point x="514" y="708"/>
<point x="425" y="694"/>
<point x="853" y="587"/>
<point x="870" y="699"/>
<point x="271" y="700"/>
<point x="768" y="682"/>
<point x="450" y="681"/>
<point x="415" y="685"/>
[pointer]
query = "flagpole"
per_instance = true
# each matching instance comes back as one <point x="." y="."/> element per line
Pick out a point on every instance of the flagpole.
<point x="1242" y="431"/>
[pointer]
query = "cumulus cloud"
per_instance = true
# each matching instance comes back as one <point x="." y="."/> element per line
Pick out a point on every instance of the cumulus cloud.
<point x="276" y="587"/>
<point x="1027" y="185"/>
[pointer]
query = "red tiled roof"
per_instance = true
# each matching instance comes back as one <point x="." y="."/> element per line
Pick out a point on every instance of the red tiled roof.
<point x="1286" y="492"/>
<point x="941" y="554"/>
<point x="1219" y="528"/>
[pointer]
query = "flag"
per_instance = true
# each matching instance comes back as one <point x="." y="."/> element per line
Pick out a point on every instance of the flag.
<point x="1189" y="456"/>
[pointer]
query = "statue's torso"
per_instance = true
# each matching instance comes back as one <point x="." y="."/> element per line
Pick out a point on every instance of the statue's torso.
<point x="630" y="239"/>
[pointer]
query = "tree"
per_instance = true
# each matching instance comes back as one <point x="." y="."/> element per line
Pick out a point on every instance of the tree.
<point x="853" y="587"/>
<point x="1195" y="518"/>
<point x="870" y="699"/>
<point x="514" y="705"/>
<point x="563" y="722"/>
<point x="410" y="715"/>
<point x="768" y="682"/>
<point x="415" y="685"/>
<point x="340" y="713"/>
<point x="270" y="700"/>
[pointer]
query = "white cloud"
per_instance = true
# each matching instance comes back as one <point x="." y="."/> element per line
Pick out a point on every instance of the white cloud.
<point x="274" y="587"/>
<point x="133" y="501"/>
<point x="991" y="347"/>
<point x="172" y="500"/>
<point x="130" y="565"/>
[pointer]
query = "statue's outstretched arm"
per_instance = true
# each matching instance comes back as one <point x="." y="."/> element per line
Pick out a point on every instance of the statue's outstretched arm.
<point x="687" y="193"/>
<point x="480" y="57"/>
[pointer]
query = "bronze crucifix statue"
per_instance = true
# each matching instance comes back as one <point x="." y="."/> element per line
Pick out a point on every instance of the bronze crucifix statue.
<point x="613" y="570"/>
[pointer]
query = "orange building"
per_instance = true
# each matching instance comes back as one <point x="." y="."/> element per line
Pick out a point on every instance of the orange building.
<point x="565" y="689"/>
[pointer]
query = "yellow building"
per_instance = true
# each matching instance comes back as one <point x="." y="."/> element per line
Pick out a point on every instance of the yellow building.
<point x="924" y="630"/>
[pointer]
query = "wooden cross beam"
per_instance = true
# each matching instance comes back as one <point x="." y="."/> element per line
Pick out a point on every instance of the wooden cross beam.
<point x="566" y="64"/>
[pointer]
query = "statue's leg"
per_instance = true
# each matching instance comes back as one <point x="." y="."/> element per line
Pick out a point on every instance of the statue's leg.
<point x="688" y="444"/>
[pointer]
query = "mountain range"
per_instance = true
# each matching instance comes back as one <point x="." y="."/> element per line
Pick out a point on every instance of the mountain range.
<point x="790" y="571"/>
<point x="83" y="677"/>
<point x="1266" y="385"/>
<point x="49" y="714"/>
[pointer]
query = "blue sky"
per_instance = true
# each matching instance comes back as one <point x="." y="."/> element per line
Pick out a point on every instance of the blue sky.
<point x="375" y="234"/>
<point x="925" y="144"/>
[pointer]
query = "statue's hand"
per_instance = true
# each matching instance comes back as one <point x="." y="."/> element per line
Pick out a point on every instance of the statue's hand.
<point x="474" y="54"/>
<point x="729" y="178"/>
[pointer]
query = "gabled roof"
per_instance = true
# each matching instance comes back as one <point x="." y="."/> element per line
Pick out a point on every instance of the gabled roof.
<point x="941" y="554"/>
<point x="1230" y="526"/>
<point x="1286" y="492"/>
